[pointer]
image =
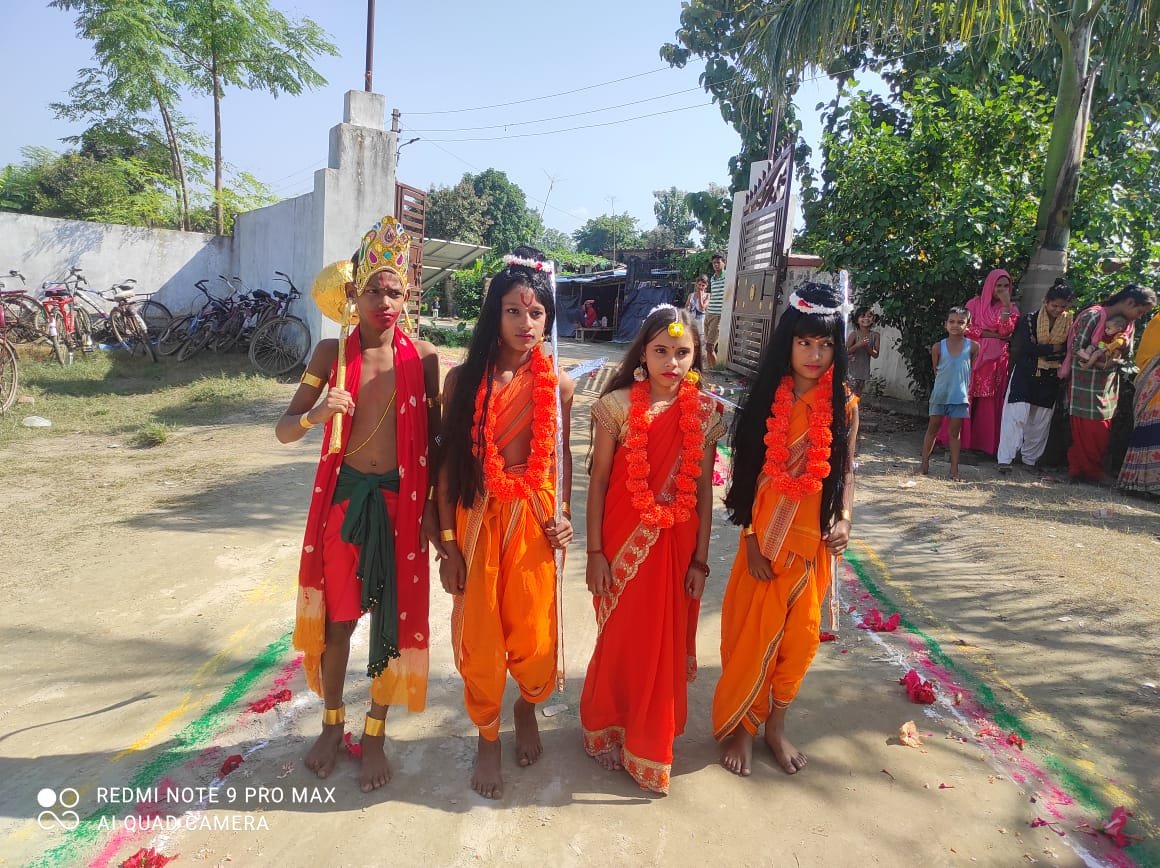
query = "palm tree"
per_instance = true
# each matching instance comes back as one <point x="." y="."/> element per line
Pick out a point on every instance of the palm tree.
<point x="1087" y="38"/>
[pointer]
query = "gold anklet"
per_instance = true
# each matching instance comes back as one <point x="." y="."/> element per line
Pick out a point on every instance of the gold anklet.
<point x="374" y="726"/>
<point x="333" y="716"/>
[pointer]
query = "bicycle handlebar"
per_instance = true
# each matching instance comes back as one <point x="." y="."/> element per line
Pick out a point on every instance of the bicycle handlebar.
<point x="12" y="272"/>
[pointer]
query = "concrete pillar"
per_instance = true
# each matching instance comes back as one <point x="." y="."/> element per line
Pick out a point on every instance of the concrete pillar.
<point x="356" y="188"/>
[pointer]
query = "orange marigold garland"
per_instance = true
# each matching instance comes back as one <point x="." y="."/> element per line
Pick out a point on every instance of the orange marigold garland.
<point x="497" y="481"/>
<point x="819" y="438"/>
<point x="692" y="451"/>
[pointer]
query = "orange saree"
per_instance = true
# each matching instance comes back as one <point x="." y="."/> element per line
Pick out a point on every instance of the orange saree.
<point x="769" y="630"/>
<point x="505" y="620"/>
<point x="635" y="692"/>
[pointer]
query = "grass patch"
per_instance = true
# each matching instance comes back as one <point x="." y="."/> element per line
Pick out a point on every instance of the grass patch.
<point x="151" y="434"/>
<point x="110" y="395"/>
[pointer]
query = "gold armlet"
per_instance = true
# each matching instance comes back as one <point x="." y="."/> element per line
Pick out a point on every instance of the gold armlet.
<point x="333" y="716"/>
<point x="374" y="726"/>
<point x="304" y="421"/>
<point x="310" y="380"/>
<point x="447" y="535"/>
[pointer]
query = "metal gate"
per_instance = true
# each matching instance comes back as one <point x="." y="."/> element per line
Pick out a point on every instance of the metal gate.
<point x="411" y="211"/>
<point x="761" y="263"/>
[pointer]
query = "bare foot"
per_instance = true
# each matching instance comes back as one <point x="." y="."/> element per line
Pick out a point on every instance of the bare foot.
<point x="486" y="778"/>
<point x="376" y="770"/>
<point x="737" y="754"/>
<point x="324" y="752"/>
<point x="788" y="757"/>
<point x="956" y="477"/>
<point x="528" y="746"/>
<point x="609" y="760"/>
<point x="924" y="469"/>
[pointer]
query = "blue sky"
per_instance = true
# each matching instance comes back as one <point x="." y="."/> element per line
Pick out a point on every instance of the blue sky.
<point x="448" y="55"/>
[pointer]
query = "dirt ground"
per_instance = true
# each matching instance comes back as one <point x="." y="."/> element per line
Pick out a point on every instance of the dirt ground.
<point x="149" y="594"/>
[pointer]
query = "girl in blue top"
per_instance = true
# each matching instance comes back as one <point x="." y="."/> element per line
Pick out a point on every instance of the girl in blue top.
<point x="952" y="358"/>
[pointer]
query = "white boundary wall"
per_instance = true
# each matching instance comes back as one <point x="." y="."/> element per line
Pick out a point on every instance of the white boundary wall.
<point x="163" y="261"/>
<point x="297" y="236"/>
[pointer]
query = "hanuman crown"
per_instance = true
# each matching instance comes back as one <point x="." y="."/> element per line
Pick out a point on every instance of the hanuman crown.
<point x="386" y="247"/>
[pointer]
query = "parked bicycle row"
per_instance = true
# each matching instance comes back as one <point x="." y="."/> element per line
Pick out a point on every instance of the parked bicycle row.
<point x="252" y="320"/>
<point x="75" y="320"/>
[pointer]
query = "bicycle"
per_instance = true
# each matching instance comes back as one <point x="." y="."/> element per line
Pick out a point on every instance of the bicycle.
<point x="154" y="314"/>
<point x="206" y="321"/>
<point x="282" y="342"/>
<point x="66" y="326"/>
<point x="127" y="325"/>
<point x="9" y="367"/>
<point x="20" y="310"/>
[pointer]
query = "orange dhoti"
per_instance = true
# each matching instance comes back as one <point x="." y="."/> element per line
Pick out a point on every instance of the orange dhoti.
<point x="635" y="697"/>
<point x="505" y="620"/>
<point x="769" y="629"/>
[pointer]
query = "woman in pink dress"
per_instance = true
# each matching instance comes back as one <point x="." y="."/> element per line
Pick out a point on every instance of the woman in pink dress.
<point x="993" y="317"/>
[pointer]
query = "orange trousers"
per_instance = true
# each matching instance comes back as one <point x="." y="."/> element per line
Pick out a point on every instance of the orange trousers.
<point x="769" y="636"/>
<point x="505" y="620"/>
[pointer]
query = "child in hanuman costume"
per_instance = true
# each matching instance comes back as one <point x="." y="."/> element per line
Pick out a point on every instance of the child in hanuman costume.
<point x="364" y="548"/>
<point x="792" y="492"/>
<point x="497" y="508"/>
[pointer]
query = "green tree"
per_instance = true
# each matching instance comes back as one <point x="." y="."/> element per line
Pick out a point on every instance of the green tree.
<point x="607" y="234"/>
<point x="924" y="198"/>
<point x="137" y="74"/>
<point x="712" y="209"/>
<point x="242" y="43"/>
<point x="457" y="213"/>
<point x="1086" y="41"/>
<point x="672" y="213"/>
<point x="511" y="222"/>
<point x="554" y="239"/>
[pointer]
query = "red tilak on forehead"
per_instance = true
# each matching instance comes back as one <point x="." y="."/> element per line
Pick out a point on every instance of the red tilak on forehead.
<point x="527" y="297"/>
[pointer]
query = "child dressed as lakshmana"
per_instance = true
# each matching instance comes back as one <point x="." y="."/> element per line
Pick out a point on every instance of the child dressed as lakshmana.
<point x="497" y="508"/>
<point x="363" y="549"/>
<point x="650" y="508"/>
<point x="792" y="491"/>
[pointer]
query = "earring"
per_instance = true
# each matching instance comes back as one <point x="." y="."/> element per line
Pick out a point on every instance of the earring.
<point x="640" y="374"/>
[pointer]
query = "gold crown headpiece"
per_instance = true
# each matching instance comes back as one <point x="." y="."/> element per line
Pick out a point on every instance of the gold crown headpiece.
<point x="386" y="247"/>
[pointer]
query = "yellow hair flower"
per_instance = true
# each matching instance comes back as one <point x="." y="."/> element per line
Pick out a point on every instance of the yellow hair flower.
<point x="692" y="377"/>
<point x="676" y="329"/>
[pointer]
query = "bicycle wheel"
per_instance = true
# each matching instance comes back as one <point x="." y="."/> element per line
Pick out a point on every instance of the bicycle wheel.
<point x="280" y="345"/>
<point x="58" y="339"/>
<point x="129" y="332"/>
<point x="82" y="335"/>
<point x="226" y="335"/>
<point x="174" y="335"/>
<point x="196" y="341"/>
<point x="9" y="375"/>
<point x="157" y="318"/>
<point x="20" y="312"/>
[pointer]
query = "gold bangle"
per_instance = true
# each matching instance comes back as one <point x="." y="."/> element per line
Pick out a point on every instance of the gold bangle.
<point x="310" y="380"/>
<point x="847" y="515"/>
<point x="566" y="508"/>
<point x="333" y="716"/>
<point x="431" y="493"/>
<point x="447" y="535"/>
<point x="374" y="726"/>
<point x="304" y="421"/>
<point x="748" y="531"/>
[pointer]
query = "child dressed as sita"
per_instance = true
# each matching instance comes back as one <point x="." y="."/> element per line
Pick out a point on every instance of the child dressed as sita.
<point x="792" y="492"/>
<point x="649" y="515"/>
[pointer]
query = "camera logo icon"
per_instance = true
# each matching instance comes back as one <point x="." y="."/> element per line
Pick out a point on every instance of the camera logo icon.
<point x="53" y="802"/>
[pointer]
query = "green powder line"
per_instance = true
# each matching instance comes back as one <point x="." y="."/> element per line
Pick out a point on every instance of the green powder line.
<point x="194" y="736"/>
<point x="1071" y="781"/>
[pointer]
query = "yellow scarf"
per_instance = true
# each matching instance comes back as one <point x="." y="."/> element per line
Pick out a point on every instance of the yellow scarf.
<point x="1055" y="333"/>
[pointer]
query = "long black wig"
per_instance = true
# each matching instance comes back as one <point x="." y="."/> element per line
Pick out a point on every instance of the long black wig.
<point x="458" y="451"/>
<point x="748" y="435"/>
